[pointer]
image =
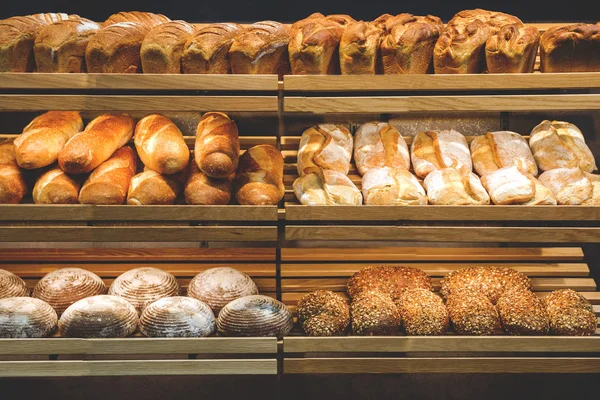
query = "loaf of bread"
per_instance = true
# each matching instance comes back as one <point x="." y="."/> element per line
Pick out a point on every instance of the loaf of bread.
<point x="509" y="186"/>
<point x="97" y="143"/>
<point x="255" y="316"/>
<point x="503" y="149"/>
<point x="262" y="48"/>
<point x="449" y="187"/>
<point x="494" y="19"/>
<point x="151" y="188"/>
<point x="390" y="280"/>
<point x="116" y="49"/>
<point x="43" y="139"/>
<point x="572" y="48"/>
<point x="25" y="317"/>
<point x="11" y="285"/>
<point x="259" y="179"/>
<point x="13" y="186"/>
<point x="595" y="199"/>
<point x="217" y="145"/>
<point x="570" y="313"/>
<point x="219" y="286"/>
<point x="512" y="50"/>
<point x="144" y="18"/>
<point x="460" y="49"/>
<point x="326" y="187"/>
<point x="570" y="186"/>
<point x="341" y="19"/>
<point x="203" y="190"/>
<point x="373" y="313"/>
<point x="359" y="49"/>
<point x="423" y="313"/>
<point x="432" y="151"/>
<point x="472" y="313"/>
<point x="207" y="50"/>
<point x="543" y="195"/>
<point x="378" y="145"/>
<point x="143" y="286"/>
<point x="56" y="187"/>
<point x="101" y="316"/>
<point x="558" y="144"/>
<point x="17" y="36"/>
<point x="163" y="46"/>
<point x="325" y="146"/>
<point x="108" y="184"/>
<point x="382" y="20"/>
<point x="60" y="47"/>
<point x="314" y="45"/>
<point x="160" y="144"/>
<point x="323" y="313"/>
<point x="65" y="286"/>
<point x="523" y="313"/>
<point x="392" y="187"/>
<point x="177" y="317"/>
<point x="407" y="46"/>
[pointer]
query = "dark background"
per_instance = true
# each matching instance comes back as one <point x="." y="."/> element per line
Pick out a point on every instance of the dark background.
<point x="289" y="11"/>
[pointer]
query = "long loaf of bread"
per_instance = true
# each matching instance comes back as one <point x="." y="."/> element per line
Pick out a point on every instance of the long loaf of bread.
<point x="100" y="139"/>
<point x="152" y="188"/>
<point x="13" y="186"/>
<point x="56" y="187"/>
<point x="217" y="145"/>
<point x="203" y="190"/>
<point x="259" y="180"/>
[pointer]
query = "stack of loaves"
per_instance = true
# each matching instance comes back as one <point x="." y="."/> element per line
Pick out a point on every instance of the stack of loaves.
<point x="388" y="300"/>
<point x="147" y="298"/>
<point x="70" y="164"/>
<point x="506" y="164"/>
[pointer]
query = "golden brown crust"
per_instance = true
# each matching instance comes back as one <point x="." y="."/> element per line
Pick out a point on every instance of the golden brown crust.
<point x="151" y="188"/>
<point x="512" y="50"/>
<point x="217" y="145"/>
<point x="472" y="313"/>
<point x="13" y="186"/>
<point x="494" y="19"/>
<point x="460" y="49"/>
<point x="381" y="21"/>
<point x="570" y="313"/>
<point x="423" y="313"/>
<point x="207" y="50"/>
<point x="323" y="313"/>
<point x="572" y="48"/>
<point x="374" y="314"/>
<point x="163" y="46"/>
<point x="203" y="190"/>
<point x="150" y="20"/>
<point x="341" y="19"/>
<point x="313" y="46"/>
<point x="56" y="187"/>
<point x="523" y="313"/>
<point x="387" y="279"/>
<point x="359" y="49"/>
<point x="259" y="179"/>
<point x="116" y="48"/>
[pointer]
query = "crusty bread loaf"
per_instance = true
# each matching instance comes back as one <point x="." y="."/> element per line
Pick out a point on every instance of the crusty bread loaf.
<point x="60" y="47"/>
<point x="359" y="49"/>
<point x="392" y="187"/>
<point x="259" y="179"/>
<point x="373" y="313"/>
<point x="543" y="195"/>
<point x="100" y="139"/>
<point x="219" y="286"/>
<point x="25" y="317"/>
<point x="512" y="50"/>
<point x="326" y="187"/>
<point x="177" y="317"/>
<point x="523" y="313"/>
<point x="207" y="50"/>
<point x="65" y="286"/>
<point x="378" y="145"/>
<point x="255" y="316"/>
<point x="163" y="46"/>
<point x="151" y="188"/>
<point x="572" y="48"/>
<point x="341" y="19"/>
<point x="494" y="19"/>
<point x="116" y="49"/>
<point x="313" y="47"/>
<point x="13" y="186"/>
<point x="382" y="20"/>
<point x="56" y="187"/>
<point x="432" y="151"/>
<point x="472" y="313"/>
<point x="390" y="280"/>
<point x="423" y="313"/>
<point x="43" y="139"/>
<point x="449" y="187"/>
<point x="144" y="18"/>
<point x="509" y="186"/>
<point x="217" y="145"/>
<point x="262" y="48"/>
<point x="11" y="285"/>
<point x="160" y="144"/>
<point x="323" y="313"/>
<point x="570" y="313"/>
<point x="108" y="184"/>
<point x="503" y="149"/>
<point x="460" y="49"/>
<point x="200" y="189"/>
<point x="571" y="186"/>
<point x="407" y="46"/>
<point x="325" y="146"/>
<point x="595" y="181"/>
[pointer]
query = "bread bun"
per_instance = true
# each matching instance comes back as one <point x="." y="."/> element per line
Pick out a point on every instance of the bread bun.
<point x="472" y="313"/>
<point x="374" y="314"/>
<point x="219" y="286"/>
<point x="255" y="316"/>
<point x="177" y="317"/>
<point x="11" y="285"/>
<point x="523" y="313"/>
<point x="323" y="313"/>
<point x="26" y="317"/>
<point x="387" y="279"/>
<point x="423" y="313"/>
<point x="570" y="313"/>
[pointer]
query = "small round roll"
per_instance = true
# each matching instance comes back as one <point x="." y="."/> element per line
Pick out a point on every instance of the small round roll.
<point x="523" y="313"/>
<point x="374" y="313"/>
<point x="472" y="313"/>
<point x="388" y="279"/>
<point x="177" y="317"/>
<point x="255" y="316"/>
<point x="570" y="313"/>
<point x="26" y="317"/>
<point x="219" y="286"/>
<point x="323" y="313"/>
<point x="423" y="313"/>
<point x="11" y="285"/>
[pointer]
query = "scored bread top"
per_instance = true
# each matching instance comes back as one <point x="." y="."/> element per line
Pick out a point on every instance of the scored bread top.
<point x="145" y="18"/>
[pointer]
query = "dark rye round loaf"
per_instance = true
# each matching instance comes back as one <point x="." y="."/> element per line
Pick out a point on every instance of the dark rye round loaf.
<point x="390" y="280"/>
<point x="11" y="285"/>
<point x="101" y="316"/>
<point x="177" y="317"/>
<point x="65" y="286"/>
<point x="523" y="313"/>
<point x="219" y="286"/>
<point x="323" y="313"/>
<point x="472" y="313"/>
<point x="570" y="313"/>
<point x="255" y="316"/>
<point x="423" y="313"/>
<point x="26" y="317"/>
<point x="374" y="313"/>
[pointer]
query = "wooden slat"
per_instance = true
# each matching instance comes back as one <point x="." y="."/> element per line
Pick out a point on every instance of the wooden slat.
<point x="29" y="102"/>
<point x="138" y="368"/>
<point x="441" y="365"/>
<point x="445" y="234"/>
<point x="395" y="104"/>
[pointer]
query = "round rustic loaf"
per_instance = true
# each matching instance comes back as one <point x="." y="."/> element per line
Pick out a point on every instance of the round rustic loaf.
<point x="26" y="317"/>
<point x="219" y="286"/>
<point x="255" y="315"/>
<point x="65" y="286"/>
<point x="388" y="279"/>
<point x="423" y="313"/>
<point x="177" y="317"/>
<point x="373" y="313"/>
<point x="323" y="313"/>
<point x="492" y="281"/>
<point x="143" y="286"/>
<point x="472" y="313"/>
<point x="523" y="313"/>
<point x="570" y="313"/>
<point x="11" y="285"/>
<point x="101" y="316"/>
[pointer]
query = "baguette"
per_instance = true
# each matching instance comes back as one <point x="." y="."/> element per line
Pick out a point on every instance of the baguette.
<point x="203" y="190"/>
<point x="217" y="145"/>
<point x="100" y="139"/>
<point x="152" y="188"/>
<point x="359" y="49"/>
<point x="259" y="179"/>
<point x="160" y="145"/>
<point x="116" y="49"/>
<point x="13" y="186"/>
<point x="207" y="50"/>
<point x="163" y="46"/>
<point x="43" y="139"/>
<point x="56" y="187"/>
<point x="145" y="18"/>
<point x="109" y="182"/>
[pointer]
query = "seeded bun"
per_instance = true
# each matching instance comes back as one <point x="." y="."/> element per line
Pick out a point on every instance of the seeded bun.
<point x="523" y="313"/>
<point x="570" y="313"/>
<point x="423" y="313"/>
<point x="374" y="314"/>
<point x="472" y="313"/>
<point x="389" y="280"/>
<point x="323" y="313"/>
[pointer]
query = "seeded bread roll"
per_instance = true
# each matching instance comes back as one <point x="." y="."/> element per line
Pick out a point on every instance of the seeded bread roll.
<point x="572" y="48"/>
<point x="472" y="313"/>
<point x="56" y="187"/>
<point x="207" y="50"/>
<point x="323" y="313"/>
<point x="13" y="186"/>
<point x="523" y="313"/>
<point x="255" y="316"/>
<point x="570" y="313"/>
<point x="11" y="285"/>
<point x="116" y="49"/>
<point x="512" y="50"/>
<point x="177" y="317"/>
<point x="359" y="49"/>
<point x="389" y="280"/>
<point x="374" y="313"/>
<point x="423" y="313"/>
<point x="144" y="18"/>
<point x="219" y="286"/>
<point x="163" y="46"/>
<point x="25" y="317"/>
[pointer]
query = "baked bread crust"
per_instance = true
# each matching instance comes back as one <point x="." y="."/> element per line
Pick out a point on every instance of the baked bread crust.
<point x="571" y="48"/>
